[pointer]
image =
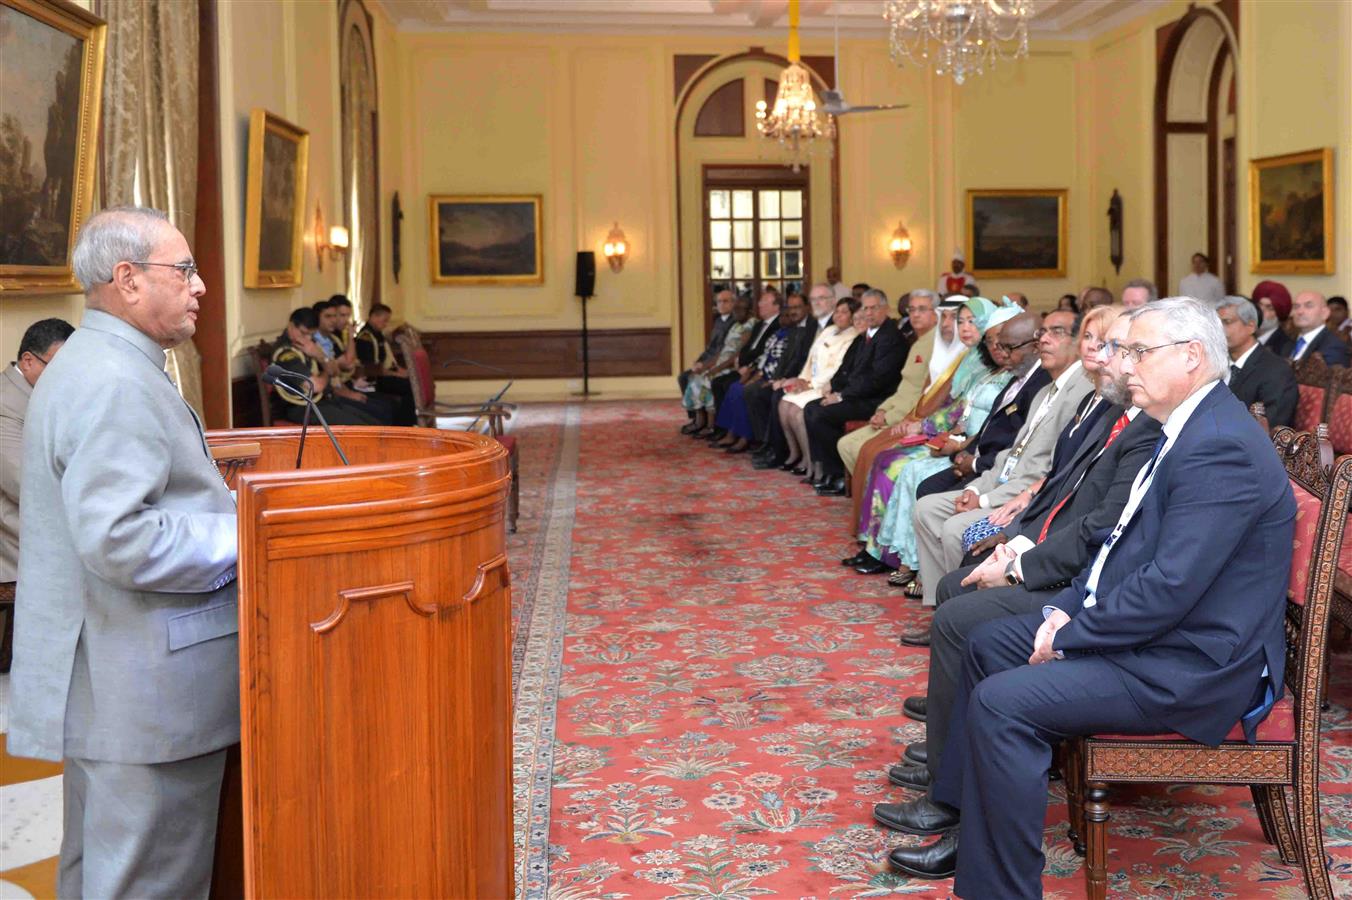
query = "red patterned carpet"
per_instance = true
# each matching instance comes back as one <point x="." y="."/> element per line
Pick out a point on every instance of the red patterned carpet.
<point x="707" y="703"/>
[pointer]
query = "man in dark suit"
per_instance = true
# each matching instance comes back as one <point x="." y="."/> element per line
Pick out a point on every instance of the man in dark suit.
<point x="1018" y="339"/>
<point x="1047" y="546"/>
<point x="855" y="394"/>
<point x="1257" y="375"/>
<point x="719" y="333"/>
<point x="762" y="396"/>
<point x="1176" y="625"/>
<point x="1309" y="312"/>
<point x="767" y="311"/>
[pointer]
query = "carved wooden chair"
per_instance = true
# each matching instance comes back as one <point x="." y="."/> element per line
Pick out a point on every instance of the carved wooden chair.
<point x="1312" y="380"/>
<point x="261" y="354"/>
<point x="432" y="413"/>
<point x="1287" y="750"/>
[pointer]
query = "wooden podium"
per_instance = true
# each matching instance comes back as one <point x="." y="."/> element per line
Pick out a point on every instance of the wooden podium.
<point x="375" y="665"/>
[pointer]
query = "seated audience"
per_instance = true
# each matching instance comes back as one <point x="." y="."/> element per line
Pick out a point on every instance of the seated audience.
<point x="722" y="322"/>
<point x="958" y="403"/>
<point x="375" y="352"/>
<point x="1139" y="292"/>
<point x="1257" y="375"/>
<point x="1338" y="321"/>
<point x="733" y="415"/>
<point x="1070" y="302"/>
<point x="1200" y="284"/>
<point x="1091" y="297"/>
<point x="858" y="289"/>
<point x="1018" y="299"/>
<point x="345" y="383"/>
<point x="762" y="396"/>
<point x="1042" y="550"/>
<point x="1176" y="625"/>
<point x="971" y="290"/>
<point x="698" y="397"/>
<point x="941" y="519"/>
<point x="321" y="336"/>
<point x="1274" y="301"/>
<point x="824" y="360"/>
<point x="40" y="342"/>
<point x="856" y="393"/>
<point x="858" y="448"/>
<point x="767" y="309"/>
<point x="297" y="350"/>
<point x="1309" y="314"/>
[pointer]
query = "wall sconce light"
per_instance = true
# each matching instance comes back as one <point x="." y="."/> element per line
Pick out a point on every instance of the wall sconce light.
<point x="334" y="240"/>
<point x="338" y="241"/>
<point x="900" y="246"/>
<point x="616" y="248"/>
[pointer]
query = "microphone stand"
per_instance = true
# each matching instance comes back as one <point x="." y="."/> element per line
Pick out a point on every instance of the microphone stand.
<point x="483" y="407"/>
<point x="308" y="396"/>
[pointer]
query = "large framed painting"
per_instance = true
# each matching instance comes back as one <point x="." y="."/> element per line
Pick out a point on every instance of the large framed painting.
<point x="485" y="239"/>
<point x="51" y="81"/>
<point x="1016" y="233"/>
<point x="274" y="208"/>
<point x="1291" y="213"/>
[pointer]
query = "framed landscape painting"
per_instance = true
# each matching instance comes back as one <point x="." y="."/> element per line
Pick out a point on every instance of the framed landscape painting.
<point x="274" y="214"/>
<point x="51" y="79"/>
<point x="1016" y="233"/>
<point x="1291" y="213"/>
<point x="485" y="239"/>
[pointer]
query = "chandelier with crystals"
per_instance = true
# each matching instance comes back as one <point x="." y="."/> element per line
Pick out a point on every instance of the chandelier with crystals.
<point x="794" y="121"/>
<point x="959" y="37"/>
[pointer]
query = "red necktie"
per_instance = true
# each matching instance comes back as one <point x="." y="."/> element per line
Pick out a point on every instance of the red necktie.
<point x="1121" y="423"/>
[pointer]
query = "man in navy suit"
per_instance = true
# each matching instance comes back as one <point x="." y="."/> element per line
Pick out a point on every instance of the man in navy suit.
<point x="1176" y="625"/>
<point x="1309" y="312"/>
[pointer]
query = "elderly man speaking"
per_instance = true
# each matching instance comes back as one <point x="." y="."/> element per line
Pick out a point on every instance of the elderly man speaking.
<point x="1175" y="626"/>
<point x="126" y="660"/>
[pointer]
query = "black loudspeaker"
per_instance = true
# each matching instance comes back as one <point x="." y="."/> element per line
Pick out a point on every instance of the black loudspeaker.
<point x="586" y="274"/>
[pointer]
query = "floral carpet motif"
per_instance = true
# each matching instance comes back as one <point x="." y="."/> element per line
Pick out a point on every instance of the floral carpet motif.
<point x="707" y="702"/>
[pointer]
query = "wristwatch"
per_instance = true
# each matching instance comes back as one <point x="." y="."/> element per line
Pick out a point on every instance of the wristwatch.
<point x="1011" y="574"/>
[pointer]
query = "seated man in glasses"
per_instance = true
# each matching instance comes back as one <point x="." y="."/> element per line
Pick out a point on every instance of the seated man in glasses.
<point x="297" y="351"/>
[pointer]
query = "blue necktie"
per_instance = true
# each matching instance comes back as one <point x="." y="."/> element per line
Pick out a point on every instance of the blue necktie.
<point x="1298" y="349"/>
<point x="1159" y="445"/>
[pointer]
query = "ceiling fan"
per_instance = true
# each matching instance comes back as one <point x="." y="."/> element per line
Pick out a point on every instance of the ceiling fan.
<point x="833" y="101"/>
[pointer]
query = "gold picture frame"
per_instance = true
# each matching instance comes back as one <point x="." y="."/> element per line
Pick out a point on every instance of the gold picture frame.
<point x="485" y="239"/>
<point x="47" y="47"/>
<point x="1017" y="233"/>
<point x="1291" y="229"/>
<point x="274" y="208"/>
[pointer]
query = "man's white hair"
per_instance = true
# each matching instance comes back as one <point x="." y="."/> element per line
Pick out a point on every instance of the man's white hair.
<point x="119" y="234"/>
<point x="1188" y="319"/>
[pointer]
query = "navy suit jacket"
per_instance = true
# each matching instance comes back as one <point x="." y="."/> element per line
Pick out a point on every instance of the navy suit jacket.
<point x="1191" y="599"/>
<point x="1327" y="345"/>
<point x="876" y="368"/>
<point x="1266" y="377"/>
<point x="1003" y="424"/>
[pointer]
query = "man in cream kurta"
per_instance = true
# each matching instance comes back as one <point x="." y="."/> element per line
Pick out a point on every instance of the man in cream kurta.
<point x="126" y="658"/>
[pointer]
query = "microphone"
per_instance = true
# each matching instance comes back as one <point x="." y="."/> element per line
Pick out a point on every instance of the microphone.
<point x="487" y="404"/>
<point x="280" y="378"/>
<point x="446" y="364"/>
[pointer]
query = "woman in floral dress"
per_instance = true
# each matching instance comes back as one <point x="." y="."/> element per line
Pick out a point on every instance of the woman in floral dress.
<point x="699" y="392"/>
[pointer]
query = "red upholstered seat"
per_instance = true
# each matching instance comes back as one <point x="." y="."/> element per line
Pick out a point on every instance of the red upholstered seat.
<point x="508" y="442"/>
<point x="1310" y="410"/>
<point x="1340" y="424"/>
<point x="423" y="363"/>
<point x="855" y="425"/>
<point x="1302" y="548"/>
<point x="1280" y="725"/>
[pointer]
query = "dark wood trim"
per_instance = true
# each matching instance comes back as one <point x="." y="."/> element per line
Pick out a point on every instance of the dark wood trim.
<point x="1213" y="163"/>
<point x="1185" y="127"/>
<point x="548" y="354"/>
<point x="754" y="53"/>
<point x="209" y="229"/>
<point x="683" y="68"/>
<point x="723" y="113"/>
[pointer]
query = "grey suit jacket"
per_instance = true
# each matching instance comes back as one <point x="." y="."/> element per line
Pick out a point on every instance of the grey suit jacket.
<point x="1036" y="458"/>
<point x="14" y="392"/>
<point x="125" y="646"/>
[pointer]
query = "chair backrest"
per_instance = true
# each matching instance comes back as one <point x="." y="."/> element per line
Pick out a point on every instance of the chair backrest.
<point x="1340" y="409"/>
<point x="1312" y="380"/>
<point x="419" y="373"/>
<point x="262" y="358"/>
<point x="1323" y="489"/>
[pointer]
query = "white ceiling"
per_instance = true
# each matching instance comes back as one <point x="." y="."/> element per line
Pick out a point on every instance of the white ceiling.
<point x="1070" y="19"/>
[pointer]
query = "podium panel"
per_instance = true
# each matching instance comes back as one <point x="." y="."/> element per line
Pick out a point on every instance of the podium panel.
<point x="375" y="627"/>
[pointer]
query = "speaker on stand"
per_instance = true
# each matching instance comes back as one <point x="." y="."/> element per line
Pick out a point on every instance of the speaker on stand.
<point x="585" y="289"/>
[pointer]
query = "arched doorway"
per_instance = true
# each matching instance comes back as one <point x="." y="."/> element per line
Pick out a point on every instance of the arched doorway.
<point x="1195" y="158"/>
<point x="722" y="159"/>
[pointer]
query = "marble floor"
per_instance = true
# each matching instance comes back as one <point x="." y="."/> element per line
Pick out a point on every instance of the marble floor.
<point x="30" y="818"/>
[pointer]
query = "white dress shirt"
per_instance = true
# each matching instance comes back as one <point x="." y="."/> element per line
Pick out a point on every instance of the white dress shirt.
<point x="1308" y="338"/>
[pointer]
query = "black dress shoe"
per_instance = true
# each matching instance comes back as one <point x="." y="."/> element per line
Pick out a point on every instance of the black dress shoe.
<point x="737" y="449"/>
<point x="937" y="860"/>
<point x="690" y="428"/>
<point x="916" y="639"/>
<point x="917" y="778"/>
<point x="918" y="753"/>
<point x="797" y="470"/>
<point x="791" y="465"/>
<point x="760" y="462"/>
<point x="857" y="560"/>
<point x="915" y="708"/>
<point x="922" y="816"/>
<point x="717" y="435"/>
<point x="832" y="487"/>
<point x="873" y="566"/>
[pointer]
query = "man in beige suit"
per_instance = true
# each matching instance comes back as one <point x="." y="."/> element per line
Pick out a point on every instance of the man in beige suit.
<point x="36" y="349"/>
<point x="924" y="316"/>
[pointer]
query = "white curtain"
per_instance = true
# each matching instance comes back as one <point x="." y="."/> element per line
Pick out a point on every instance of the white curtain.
<point x="150" y="128"/>
<point x="360" y="194"/>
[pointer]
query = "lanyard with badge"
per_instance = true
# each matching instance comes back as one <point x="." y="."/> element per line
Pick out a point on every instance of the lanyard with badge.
<point x="1012" y="461"/>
